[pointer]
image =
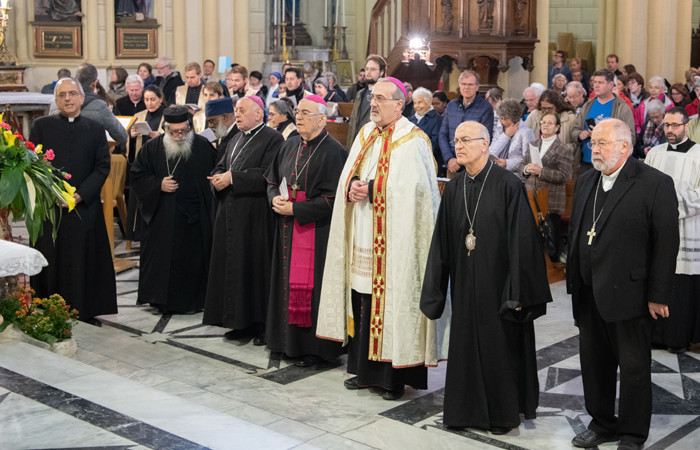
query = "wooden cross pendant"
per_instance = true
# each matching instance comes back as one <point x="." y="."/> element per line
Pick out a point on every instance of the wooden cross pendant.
<point x="295" y="188"/>
<point x="591" y="234"/>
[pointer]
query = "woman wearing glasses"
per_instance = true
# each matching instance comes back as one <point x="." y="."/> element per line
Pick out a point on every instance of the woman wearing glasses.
<point x="555" y="168"/>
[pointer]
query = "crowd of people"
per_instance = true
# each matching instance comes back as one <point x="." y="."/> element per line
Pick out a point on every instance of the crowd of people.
<point x="316" y="248"/>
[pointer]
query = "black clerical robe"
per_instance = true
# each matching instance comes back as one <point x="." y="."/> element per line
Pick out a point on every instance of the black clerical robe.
<point x="80" y="261"/>
<point x="239" y="275"/>
<point x="176" y="241"/>
<point x="316" y="170"/>
<point x="492" y="371"/>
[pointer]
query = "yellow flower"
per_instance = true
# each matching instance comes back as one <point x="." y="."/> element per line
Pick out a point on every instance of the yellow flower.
<point x="69" y="200"/>
<point x="9" y="137"/>
<point x="38" y="149"/>
<point x="70" y="189"/>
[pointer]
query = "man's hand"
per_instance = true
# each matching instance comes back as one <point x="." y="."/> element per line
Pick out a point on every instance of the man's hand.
<point x="511" y="129"/>
<point x="220" y="180"/>
<point x="452" y="165"/>
<point x="658" y="308"/>
<point x="359" y="191"/>
<point x="500" y="162"/>
<point x="168" y="184"/>
<point x="281" y="206"/>
<point x="585" y="134"/>
<point x="77" y="198"/>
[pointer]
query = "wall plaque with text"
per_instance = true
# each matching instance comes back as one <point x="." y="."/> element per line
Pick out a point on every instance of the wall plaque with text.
<point x="136" y="42"/>
<point x="58" y="41"/>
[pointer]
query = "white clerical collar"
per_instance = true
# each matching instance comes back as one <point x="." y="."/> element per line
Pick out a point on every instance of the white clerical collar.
<point x="71" y="119"/>
<point x="609" y="180"/>
<point x="252" y="129"/>
<point x="674" y="146"/>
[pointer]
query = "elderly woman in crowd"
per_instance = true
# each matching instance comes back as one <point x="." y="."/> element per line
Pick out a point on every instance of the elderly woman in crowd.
<point x="495" y="97"/>
<point x="652" y="132"/>
<point x="551" y="102"/>
<point x="557" y="165"/>
<point x="281" y="117"/>
<point x="428" y="120"/>
<point x="657" y="90"/>
<point x="680" y="95"/>
<point x="333" y="86"/>
<point x="323" y="89"/>
<point x="511" y="146"/>
<point x="559" y="84"/>
<point x="692" y="107"/>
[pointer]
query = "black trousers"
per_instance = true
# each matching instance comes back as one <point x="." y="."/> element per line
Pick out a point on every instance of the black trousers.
<point x="605" y="346"/>
<point x="377" y="373"/>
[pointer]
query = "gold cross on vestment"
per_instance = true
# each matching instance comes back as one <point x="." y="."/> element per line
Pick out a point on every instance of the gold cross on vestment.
<point x="590" y="234"/>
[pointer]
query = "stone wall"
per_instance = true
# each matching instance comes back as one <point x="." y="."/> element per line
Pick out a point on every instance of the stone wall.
<point x="579" y="17"/>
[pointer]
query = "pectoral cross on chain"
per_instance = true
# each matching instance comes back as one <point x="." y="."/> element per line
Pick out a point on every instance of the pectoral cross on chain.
<point x="295" y="188"/>
<point x="591" y="234"/>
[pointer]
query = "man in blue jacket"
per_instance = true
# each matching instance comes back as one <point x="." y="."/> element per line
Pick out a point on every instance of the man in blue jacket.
<point x="468" y="106"/>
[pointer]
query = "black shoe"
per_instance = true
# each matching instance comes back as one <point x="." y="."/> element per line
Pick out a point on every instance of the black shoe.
<point x="309" y="361"/>
<point x="93" y="321"/>
<point x="627" y="445"/>
<point x="499" y="431"/>
<point x="677" y="350"/>
<point x="590" y="439"/>
<point x="259" y="340"/>
<point x="236" y="334"/>
<point x="351" y="384"/>
<point x="393" y="394"/>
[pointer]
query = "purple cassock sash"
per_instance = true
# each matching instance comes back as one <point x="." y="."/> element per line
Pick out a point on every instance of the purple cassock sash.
<point x="301" y="270"/>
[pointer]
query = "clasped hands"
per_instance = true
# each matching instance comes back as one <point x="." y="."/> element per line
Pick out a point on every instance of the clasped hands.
<point x="220" y="180"/>
<point x="282" y="206"/>
<point x="359" y="190"/>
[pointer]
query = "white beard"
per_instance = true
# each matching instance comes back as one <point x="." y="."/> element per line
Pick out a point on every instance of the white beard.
<point x="178" y="149"/>
<point x="220" y="131"/>
<point x="601" y="165"/>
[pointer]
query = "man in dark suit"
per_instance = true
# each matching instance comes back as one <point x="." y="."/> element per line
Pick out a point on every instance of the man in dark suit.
<point x="623" y="243"/>
<point x="375" y="68"/>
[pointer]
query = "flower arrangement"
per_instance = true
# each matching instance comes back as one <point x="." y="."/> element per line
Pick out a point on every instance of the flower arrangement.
<point x="49" y="320"/>
<point x="29" y="185"/>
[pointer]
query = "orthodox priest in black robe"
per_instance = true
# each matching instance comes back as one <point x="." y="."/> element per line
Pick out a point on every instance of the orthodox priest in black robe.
<point x="310" y="166"/>
<point x="239" y="274"/>
<point x="493" y="259"/>
<point x="169" y="180"/>
<point x="80" y="260"/>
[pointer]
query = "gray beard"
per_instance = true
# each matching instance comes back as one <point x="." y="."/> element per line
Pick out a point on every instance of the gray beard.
<point x="175" y="150"/>
<point x="220" y="131"/>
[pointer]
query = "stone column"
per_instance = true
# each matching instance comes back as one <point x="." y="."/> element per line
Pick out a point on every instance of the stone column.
<point x="661" y="44"/>
<point x="541" y="54"/>
<point x="241" y="41"/>
<point x="180" y="34"/>
<point x="684" y="29"/>
<point x="210" y="27"/>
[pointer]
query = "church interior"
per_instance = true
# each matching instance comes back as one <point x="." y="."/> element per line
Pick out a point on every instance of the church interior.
<point x="143" y="380"/>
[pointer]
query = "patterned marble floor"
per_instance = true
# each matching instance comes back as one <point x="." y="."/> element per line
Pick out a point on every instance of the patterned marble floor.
<point x="150" y="381"/>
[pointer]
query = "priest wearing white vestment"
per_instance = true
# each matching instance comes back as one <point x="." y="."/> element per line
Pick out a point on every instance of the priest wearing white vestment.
<point x="377" y="250"/>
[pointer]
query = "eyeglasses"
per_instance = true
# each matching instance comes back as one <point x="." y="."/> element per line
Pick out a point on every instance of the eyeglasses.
<point x="603" y="144"/>
<point x="180" y="132"/>
<point x="65" y="94"/>
<point x="675" y="126"/>
<point x="371" y="97"/>
<point x="305" y="114"/>
<point x="465" y="140"/>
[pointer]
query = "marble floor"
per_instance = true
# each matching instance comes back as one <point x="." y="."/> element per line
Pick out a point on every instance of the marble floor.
<point x="169" y="382"/>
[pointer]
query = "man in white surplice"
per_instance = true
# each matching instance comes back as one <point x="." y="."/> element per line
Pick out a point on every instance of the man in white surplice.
<point x="377" y="250"/>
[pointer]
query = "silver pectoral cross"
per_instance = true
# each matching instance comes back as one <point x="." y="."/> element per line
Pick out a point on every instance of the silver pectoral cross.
<point x="591" y="234"/>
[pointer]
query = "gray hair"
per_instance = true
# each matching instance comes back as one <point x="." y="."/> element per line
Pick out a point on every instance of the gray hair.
<point x="331" y="77"/>
<point x="134" y="78"/>
<point x="283" y="107"/>
<point x="558" y="77"/>
<point x="322" y="109"/>
<point x="621" y="129"/>
<point x="578" y="86"/>
<point x="424" y="93"/>
<point x="323" y="81"/>
<point x="164" y="60"/>
<point x="68" y="80"/>
<point x="655" y="106"/>
<point x="510" y="109"/>
<point x="538" y="88"/>
<point x="468" y="73"/>
<point x="398" y="93"/>
<point x="86" y="74"/>
<point x="659" y="81"/>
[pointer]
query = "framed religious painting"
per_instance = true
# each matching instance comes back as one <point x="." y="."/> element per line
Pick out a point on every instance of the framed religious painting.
<point x="345" y="72"/>
<point x="58" y="41"/>
<point x="137" y="42"/>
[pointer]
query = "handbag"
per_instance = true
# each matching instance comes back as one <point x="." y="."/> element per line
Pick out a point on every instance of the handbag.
<point x="546" y="230"/>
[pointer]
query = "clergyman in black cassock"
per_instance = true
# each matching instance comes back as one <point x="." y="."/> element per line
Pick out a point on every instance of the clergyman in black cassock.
<point x="311" y="165"/>
<point x="176" y="245"/>
<point x="80" y="261"/>
<point x="623" y="242"/>
<point x="239" y="273"/>
<point x="498" y="287"/>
